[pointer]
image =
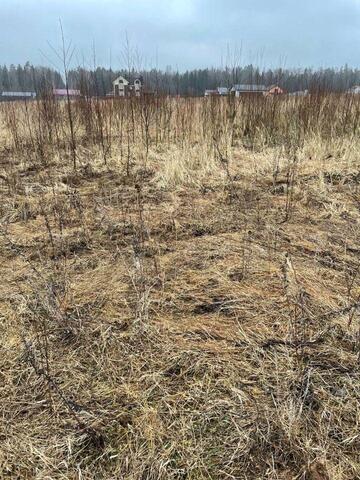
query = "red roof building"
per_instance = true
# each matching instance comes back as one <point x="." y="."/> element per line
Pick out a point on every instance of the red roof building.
<point x="62" y="92"/>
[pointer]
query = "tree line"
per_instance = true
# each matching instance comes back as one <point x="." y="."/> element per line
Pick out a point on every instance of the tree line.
<point x="98" y="81"/>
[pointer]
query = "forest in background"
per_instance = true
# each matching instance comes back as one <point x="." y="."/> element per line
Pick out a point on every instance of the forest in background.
<point x="98" y="81"/>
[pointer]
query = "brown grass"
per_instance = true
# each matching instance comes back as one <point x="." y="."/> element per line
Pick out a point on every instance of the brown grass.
<point x="184" y="305"/>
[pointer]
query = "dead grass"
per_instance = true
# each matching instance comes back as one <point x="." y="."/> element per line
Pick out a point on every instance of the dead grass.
<point x="198" y="318"/>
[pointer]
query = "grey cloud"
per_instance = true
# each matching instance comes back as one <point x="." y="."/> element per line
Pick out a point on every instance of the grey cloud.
<point x="187" y="33"/>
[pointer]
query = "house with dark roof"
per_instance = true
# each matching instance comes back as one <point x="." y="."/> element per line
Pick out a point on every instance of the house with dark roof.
<point x="248" y="89"/>
<point x="12" y="96"/>
<point x="240" y="90"/>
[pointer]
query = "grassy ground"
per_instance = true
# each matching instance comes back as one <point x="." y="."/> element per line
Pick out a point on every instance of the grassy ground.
<point x="195" y="317"/>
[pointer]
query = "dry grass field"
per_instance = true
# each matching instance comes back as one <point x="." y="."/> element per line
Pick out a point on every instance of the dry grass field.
<point x="180" y="289"/>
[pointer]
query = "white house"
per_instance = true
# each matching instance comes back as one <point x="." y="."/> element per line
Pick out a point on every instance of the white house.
<point x="122" y="87"/>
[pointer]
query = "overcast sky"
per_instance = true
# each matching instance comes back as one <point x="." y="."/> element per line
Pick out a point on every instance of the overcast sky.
<point x="186" y="33"/>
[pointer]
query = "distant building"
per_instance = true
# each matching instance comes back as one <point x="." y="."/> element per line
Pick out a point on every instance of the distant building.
<point x="120" y="85"/>
<point x="211" y="93"/>
<point x="240" y="90"/>
<point x="274" y="90"/>
<point x="63" y="93"/>
<point x="248" y="89"/>
<point x="11" y="96"/>
<point x="123" y="88"/>
<point x="300" y="93"/>
<point x="223" y="91"/>
<point x="218" y="92"/>
<point x="137" y="87"/>
<point x="355" y="90"/>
